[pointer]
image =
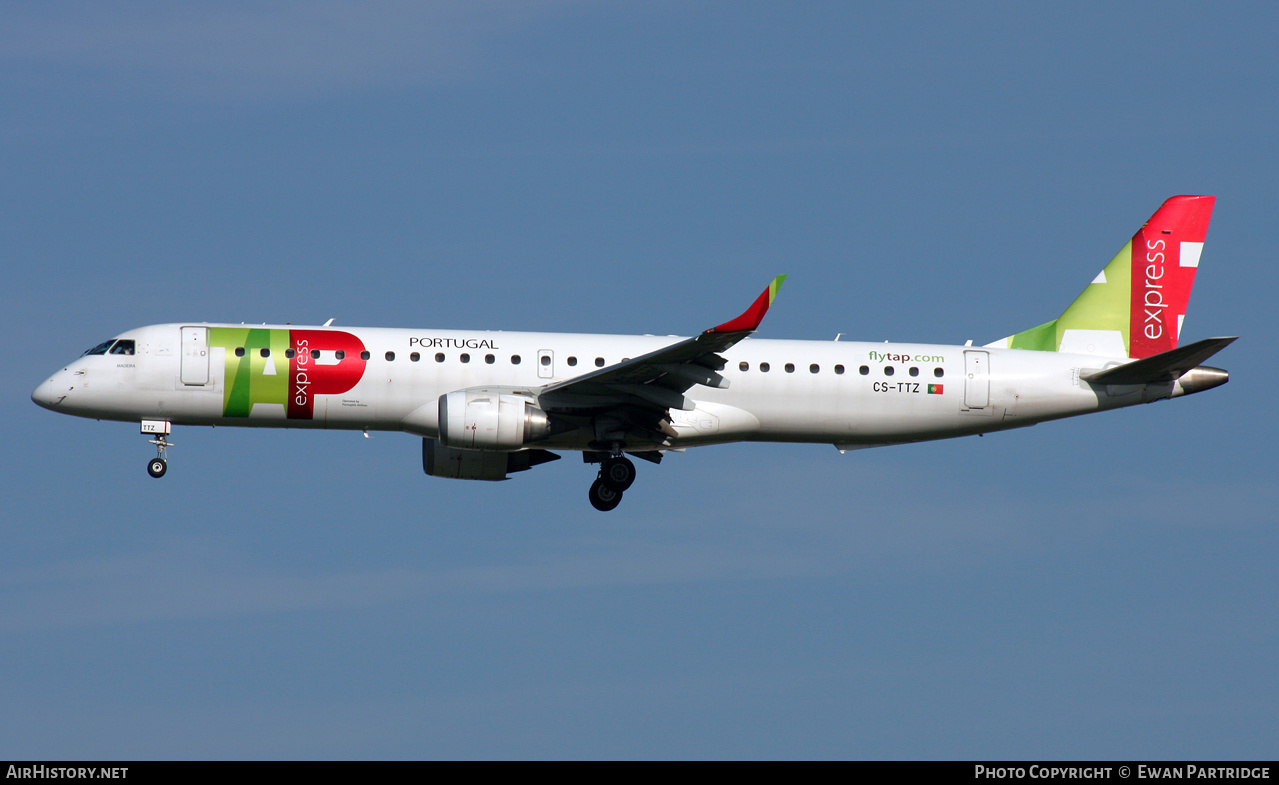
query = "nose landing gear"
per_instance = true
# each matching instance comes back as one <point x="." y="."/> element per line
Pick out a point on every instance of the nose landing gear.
<point x="158" y="465"/>
<point x="617" y="474"/>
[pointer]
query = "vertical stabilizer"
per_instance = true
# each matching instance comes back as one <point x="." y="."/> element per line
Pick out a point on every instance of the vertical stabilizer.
<point x="1135" y="306"/>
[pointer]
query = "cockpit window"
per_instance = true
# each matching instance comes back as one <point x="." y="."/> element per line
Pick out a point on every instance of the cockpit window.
<point x="122" y="347"/>
<point x="100" y="348"/>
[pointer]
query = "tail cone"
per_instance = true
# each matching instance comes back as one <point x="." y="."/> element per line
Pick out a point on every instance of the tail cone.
<point x="1202" y="378"/>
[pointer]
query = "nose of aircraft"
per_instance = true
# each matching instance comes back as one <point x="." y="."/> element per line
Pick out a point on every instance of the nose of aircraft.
<point x="45" y="396"/>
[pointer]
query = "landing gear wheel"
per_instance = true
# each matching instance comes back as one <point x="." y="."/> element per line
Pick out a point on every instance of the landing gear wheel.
<point x="604" y="498"/>
<point x="159" y="464"/>
<point x="618" y="473"/>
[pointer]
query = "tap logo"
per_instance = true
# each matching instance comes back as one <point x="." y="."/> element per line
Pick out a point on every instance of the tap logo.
<point x="285" y="368"/>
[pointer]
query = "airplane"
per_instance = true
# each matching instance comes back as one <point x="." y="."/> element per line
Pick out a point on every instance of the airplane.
<point x="491" y="404"/>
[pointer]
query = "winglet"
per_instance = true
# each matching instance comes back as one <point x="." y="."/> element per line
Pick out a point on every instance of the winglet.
<point x="750" y="320"/>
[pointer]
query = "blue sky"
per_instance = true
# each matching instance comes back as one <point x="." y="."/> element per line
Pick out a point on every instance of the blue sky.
<point x="1100" y="588"/>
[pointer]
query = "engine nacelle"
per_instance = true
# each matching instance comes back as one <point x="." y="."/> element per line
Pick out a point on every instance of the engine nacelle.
<point x="487" y="420"/>
<point x="441" y="461"/>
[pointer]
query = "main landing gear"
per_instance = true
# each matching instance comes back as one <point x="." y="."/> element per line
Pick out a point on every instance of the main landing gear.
<point x="617" y="473"/>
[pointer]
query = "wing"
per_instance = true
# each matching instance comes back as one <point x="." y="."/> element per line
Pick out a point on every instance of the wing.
<point x="627" y="404"/>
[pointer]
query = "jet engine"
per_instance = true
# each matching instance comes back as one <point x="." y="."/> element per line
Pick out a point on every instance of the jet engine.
<point x="441" y="461"/>
<point x="488" y="420"/>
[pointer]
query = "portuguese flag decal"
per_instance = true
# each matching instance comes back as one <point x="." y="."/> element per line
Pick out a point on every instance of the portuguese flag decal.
<point x="934" y="389"/>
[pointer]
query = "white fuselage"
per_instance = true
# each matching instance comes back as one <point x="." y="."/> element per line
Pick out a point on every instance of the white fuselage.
<point x="845" y="393"/>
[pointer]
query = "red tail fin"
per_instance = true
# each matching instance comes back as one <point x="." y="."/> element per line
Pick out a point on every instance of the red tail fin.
<point x="1165" y="255"/>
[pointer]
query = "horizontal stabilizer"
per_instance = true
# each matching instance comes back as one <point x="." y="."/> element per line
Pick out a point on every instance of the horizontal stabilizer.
<point x="1163" y="367"/>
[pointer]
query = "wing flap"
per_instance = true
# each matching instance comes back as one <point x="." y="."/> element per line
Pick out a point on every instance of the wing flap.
<point x="693" y="373"/>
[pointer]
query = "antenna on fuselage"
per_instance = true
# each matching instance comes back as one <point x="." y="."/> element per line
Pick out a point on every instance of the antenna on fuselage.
<point x="328" y="323"/>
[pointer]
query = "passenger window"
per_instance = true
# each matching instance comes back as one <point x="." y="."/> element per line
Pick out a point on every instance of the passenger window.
<point x="315" y="354"/>
<point x="515" y="359"/>
<point x="390" y="356"/>
<point x="122" y="347"/>
<point x="289" y="353"/>
<point x="365" y="356"/>
<point x="100" y="348"/>
<point x="889" y="370"/>
<point x="466" y="358"/>
<point x="572" y="361"/>
<point x="264" y="352"/>
<point x="545" y="360"/>
<point x="439" y="357"/>
<point x="763" y="367"/>
<point x="743" y="366"/>
<point x="599" y="362"/>
<point x="914" y="371"/>
<point x="864" y="370"/>
<point x="790" y="367"/>
<point x="488" y="358"/>
<point x="813" y="368"/>
<point x="339" y="354"/>
<point x="839" y="370"/>
<point x="239" y="351"/>
<point x="414" y="357"/>
<point x="938" y="372"/>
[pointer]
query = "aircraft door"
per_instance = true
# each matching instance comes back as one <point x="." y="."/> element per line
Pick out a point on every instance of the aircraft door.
<point x="195" y="356"/>
<point x="545" y="364"/>
<point x="976" y="379"/>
